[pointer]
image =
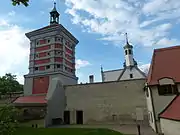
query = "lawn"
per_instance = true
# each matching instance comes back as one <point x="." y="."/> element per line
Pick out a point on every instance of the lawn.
<point x="64" y="131"/>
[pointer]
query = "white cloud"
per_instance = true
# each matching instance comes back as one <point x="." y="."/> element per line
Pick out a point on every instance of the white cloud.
<point x="12" y="13"/>
<point x="14" y="49"/>
<point x="145" y="68"/>
<point x="81" y="63"/>
<point x="112" y="18"/>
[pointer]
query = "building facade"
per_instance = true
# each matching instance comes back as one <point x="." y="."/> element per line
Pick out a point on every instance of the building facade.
<point x="162" y="83"/>
<point x="52" y="54"/>
<point x="130" y="70"/>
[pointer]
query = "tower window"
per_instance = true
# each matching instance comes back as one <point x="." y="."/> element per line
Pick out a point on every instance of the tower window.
<point x="49" y="40"/>
<point x="48" y="54"/>
<point x="37" y="43"/>
<point x="131" y="75"/>
<point x="37" y="55"/>
<point x="36" y="68"/>
<point x="130" y="52"/>
<point x="58" y="66"/>
<point x="48" y="67"/>
<point x="126" y="52"/>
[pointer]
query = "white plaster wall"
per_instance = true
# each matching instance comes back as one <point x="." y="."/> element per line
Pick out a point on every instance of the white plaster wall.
<point x="150" y="109"/>
<point x="112" y="75"/>
<point x="170" y="127"/>
<point x="165" y="81"/>
<point x="28" y="85"/>
<point x="134" y="71"/>
<point x="99" y="101"/>
<point x="129" y="60"/>
<point x="160" y="102"/>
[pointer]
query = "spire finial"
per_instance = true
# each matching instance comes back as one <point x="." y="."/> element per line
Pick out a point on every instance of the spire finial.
<point x="126" y="38"/>
<point x="101" y="68"/>
<point x="54" y="4"/>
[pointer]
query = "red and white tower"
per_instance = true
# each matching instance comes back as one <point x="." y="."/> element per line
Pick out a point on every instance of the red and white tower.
<point x="52" y="54"/>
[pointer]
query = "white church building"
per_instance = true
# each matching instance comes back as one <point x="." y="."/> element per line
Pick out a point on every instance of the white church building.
<point x="130" y="70"/>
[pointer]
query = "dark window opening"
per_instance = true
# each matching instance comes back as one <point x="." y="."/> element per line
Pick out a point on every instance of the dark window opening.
<point x="66" y="68"/>
<point x="126" y="52"/>
<point x="48" y="40"/>
<point x="167" y="89"/>
<point x="48" y="67"/>
<point x="48" y="53"/>
<point x="36" y="68"/>
<point x="37" y="43"/>
<point x="58" y="65"/>
<point x="131" y="75"/>
<point x="129" y="51"/>
<point x="37" y="55"/>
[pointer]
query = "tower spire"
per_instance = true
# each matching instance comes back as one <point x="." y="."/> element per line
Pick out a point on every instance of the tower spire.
<point x="126" y="35"/>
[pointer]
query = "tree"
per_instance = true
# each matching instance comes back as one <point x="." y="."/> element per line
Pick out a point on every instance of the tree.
<point x="9" y="84"/>
<point x="18" y="2"/>
<point x="8" y="120"/>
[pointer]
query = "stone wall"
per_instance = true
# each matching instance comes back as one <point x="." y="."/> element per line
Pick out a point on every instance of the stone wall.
<point x="109" y="102"/>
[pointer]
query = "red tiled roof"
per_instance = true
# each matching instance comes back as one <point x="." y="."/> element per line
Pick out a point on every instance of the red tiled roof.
<point x="31" y="99"/>
<point x="172" y="111"/>
<point x="164" y="64"/>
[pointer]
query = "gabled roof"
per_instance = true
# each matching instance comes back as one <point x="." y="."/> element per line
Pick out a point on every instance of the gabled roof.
<point x="165" y="64"/>
<point x="112" y="75"/>
<point x="172" y="111"/>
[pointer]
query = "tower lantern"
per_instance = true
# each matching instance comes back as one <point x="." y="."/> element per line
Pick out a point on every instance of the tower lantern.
<point x="54" y="15"/>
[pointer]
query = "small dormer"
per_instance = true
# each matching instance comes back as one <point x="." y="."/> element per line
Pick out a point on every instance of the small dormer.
<point x="167" y="87"/>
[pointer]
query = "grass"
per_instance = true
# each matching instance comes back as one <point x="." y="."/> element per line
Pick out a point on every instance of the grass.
<point x="64" y="131"/>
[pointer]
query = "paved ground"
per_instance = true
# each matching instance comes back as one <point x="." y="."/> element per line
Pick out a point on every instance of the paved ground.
<point x="126" y="129"/>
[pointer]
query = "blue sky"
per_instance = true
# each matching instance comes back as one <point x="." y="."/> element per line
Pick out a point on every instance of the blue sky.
<point x="99" y="25"/>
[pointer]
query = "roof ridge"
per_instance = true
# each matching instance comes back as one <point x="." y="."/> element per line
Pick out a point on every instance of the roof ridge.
<point x="113" y="70"/>
<point x="151" y="68"/>
<point x="167" y="48"/>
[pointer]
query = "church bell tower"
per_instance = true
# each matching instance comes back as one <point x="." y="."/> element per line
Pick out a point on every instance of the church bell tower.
<point x="128" y="50"/>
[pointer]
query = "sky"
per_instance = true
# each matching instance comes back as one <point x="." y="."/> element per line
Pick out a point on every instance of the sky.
<point x="99" y="25"/>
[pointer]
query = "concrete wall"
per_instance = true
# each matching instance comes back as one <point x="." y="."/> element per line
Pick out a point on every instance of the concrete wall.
<point x="99" y="101"/>
<point x="65" y="79"/>
<point x="55" y="101"/>
<point x="28" y="86"/>
<point x="134" y="71"/>
<point x="170" y="127"/>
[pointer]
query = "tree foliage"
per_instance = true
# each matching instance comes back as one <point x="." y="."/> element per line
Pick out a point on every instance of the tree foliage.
<point x="18" y="2"/>
<point x="9" y="84"/>
<point x="8" y="120"/>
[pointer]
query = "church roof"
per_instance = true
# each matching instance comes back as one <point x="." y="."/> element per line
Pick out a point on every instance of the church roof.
<point x="172" y="111"/>
<point x="164" y="64"/>
<point x="112" y="75"/>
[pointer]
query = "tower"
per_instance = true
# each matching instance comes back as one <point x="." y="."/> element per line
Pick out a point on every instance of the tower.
<point x="128" y="50"/>
<point x="52" y="54"/>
